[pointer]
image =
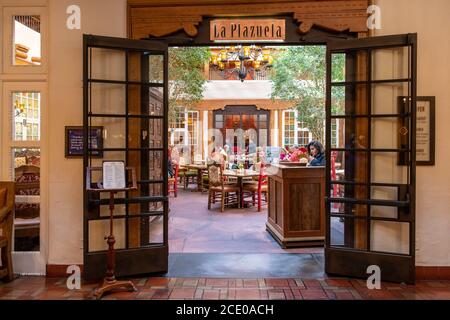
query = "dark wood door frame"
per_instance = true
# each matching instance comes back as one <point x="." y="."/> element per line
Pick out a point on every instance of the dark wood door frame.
<point x="356" y="254"/>
<point x="139" y="255"/>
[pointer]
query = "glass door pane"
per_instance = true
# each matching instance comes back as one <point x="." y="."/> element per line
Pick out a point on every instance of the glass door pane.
<point x="27" y="220"/>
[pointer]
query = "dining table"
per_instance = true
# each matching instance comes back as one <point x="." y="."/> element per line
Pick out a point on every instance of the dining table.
<point x="240" y="174"/>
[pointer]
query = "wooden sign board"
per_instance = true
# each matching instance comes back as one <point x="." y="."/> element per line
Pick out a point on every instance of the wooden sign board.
<point x="248" y="30"/>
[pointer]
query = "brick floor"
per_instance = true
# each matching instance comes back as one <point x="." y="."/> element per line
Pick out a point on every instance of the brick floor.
<point x="182" y="293"/>
<point x="40" y="288"/>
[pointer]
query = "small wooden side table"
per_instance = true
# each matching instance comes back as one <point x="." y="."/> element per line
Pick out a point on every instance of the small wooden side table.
<point x="110" y="283"/>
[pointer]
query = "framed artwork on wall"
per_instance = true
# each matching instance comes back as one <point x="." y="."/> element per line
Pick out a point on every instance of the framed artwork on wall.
<point x="74" y="144"/>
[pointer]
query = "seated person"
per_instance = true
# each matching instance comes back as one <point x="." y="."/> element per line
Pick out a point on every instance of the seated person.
<point x="316" y="154"/>
<point x="169" y="163"/>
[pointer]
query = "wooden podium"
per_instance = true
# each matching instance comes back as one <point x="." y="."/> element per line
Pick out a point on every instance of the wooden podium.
<point x="110" y="283"/>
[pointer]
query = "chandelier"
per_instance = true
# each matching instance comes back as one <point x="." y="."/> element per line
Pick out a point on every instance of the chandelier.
<point x="241" y="59"/>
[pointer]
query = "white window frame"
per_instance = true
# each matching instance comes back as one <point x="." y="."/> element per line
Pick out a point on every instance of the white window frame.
<point x="8" y="43"/>
<point x="337" y="122"/>
<point x="27" y="262"/>
<point x="185" y="130"/>
<point x="297" y="128"/>
<point x="196" y="127"/>
<point x="283" y="125"/>
<point x="172" y="135"/>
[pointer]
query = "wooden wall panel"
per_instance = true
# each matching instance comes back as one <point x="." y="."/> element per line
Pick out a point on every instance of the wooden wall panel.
<point x="304" y="213"/>
<point x="160" y="18"/>
<point x="272" y="204"/>
<point x="279" y="203"/>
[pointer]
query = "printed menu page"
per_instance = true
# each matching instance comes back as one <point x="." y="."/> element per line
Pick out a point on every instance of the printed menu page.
<point x="113" y="175"/>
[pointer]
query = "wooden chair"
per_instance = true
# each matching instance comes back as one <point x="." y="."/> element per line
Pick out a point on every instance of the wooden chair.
<point x="256" y="190"/>
<point x="190" y="176"/>
<point x="7" y="196"/>
<point x="173" y="182"/>
<point x="187" y="176"/>
<point x="205" y="181"/>
<point x="218" y="186"/>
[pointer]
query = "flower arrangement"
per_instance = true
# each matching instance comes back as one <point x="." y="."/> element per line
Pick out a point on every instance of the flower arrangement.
<point x="298" y="154"/>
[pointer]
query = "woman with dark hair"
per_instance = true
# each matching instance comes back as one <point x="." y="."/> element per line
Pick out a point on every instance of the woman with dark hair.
<point x="316" y="154"/>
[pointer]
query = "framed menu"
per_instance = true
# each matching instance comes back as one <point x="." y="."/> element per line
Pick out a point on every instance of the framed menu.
<point x="114" y="175"/>
<point x="425" y="131"/>
<point x="75" y="145"/>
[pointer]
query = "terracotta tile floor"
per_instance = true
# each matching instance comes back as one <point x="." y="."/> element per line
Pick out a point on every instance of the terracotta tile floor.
<point x="40" y="288"/>
<point x="201" y="240"/>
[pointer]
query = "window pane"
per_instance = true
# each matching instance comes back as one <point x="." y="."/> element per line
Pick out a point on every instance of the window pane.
<point x="390" y="63"/>
<point x="289" y="128"/>
<point x="113" y="131"/>
<point x="156" y="68"/>
<point x="26" y="173"/>
<point x="390" y="237"/>
<point x="177" y="118"/>
<point x="338" y="67"/>
<point x="107" y="64"/>
<point x="193" y="134"/>
<point x="101" y="227"/>
<point x="387" y="169"/>
<point x="108" y="98"/>
<point x="349" y="66"/>
<point x="27" y="40"/>
<point x="26" y="116"/>
<point x="303" y="138"/>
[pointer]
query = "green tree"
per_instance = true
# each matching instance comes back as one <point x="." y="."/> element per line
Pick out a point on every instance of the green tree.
<point x="186" y="77"/>
<point x="299" y="76"/>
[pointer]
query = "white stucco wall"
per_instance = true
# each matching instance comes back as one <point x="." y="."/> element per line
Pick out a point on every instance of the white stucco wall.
<point x="101" y="17"/>
<point x="430" y="19"/>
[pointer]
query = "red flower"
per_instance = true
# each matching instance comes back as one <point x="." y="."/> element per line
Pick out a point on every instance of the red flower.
<point x="303" y="150"/>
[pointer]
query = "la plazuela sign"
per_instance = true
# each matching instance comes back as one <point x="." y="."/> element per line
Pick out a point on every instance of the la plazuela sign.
<point x="247" y="29"/>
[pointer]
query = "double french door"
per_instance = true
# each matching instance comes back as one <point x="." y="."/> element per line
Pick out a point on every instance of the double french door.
<point x="370" y="203"/>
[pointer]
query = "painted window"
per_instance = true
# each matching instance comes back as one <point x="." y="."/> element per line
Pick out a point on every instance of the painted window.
<point x="26" y="116"/>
